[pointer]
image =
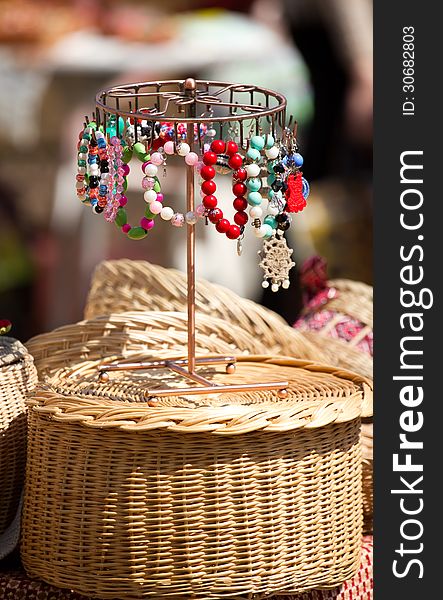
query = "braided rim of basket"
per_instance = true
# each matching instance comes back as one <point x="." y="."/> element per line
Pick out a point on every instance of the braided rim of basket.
<point x="99" y="412"/>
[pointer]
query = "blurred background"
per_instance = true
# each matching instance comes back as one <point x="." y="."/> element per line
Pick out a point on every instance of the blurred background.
<point x="55" y="55"/>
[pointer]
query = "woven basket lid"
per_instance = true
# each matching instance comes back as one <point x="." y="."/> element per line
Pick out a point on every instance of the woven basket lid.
<point x="318" y="395"/>
<point x="11" y="351"/>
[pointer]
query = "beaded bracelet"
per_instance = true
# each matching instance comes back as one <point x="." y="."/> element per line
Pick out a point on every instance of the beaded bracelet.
<point x="92" y="168"/>
<point x="225" y="155"/>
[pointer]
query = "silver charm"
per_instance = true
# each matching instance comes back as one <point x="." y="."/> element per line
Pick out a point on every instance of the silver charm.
<point x="276" y="263"/>
<point x="240" y="244"/>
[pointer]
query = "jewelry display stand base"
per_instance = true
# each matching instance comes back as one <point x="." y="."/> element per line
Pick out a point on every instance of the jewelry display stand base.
<point x="180" y="366"/>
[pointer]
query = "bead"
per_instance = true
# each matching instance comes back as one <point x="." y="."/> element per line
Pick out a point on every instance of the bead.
<point x="298" y="159"/>
<point x="209" y="158"/>
<point x="215" y="215"/>
<point x="253" y="184"/>
<point x="97" y="209"/>
<point x="265" y="284"/>
<point x="157" y="187"/>
<point x="121" y="217"/>
<point x="126" y="227"/>
<point x="270" y="220"/>
<point x="255" y="212"/>
<point x="305" y="188"/>
<point x="191" y="159"/>
<point x="183" y="149"/>
<point x="272" y="152"/>
<point x="233" y="232"/>
<point x="257" y="142"/>
<point x="139" y="149"/>
<point x="269" y="141"/>
<point x="286" y="283"/>
<point x="218" y="146"/>
<point x="274" y="287"/>
<point x="241" y="218"/>
<point x="148" y="183"/>
<point x="259" y="232"/>
<point x="240" y="174"/>
<point x="240" y="204"/>
<point x="222" y="225"/>
<point x="239" y="189"/>
<point x="150" y="196"/>
<point x="150" y="169"/>
<point x="155" y="207"/>
<point x="125" y="169"/>
<point x="191" y="218"/>
<point x="167" y="213"/>
<point x="277" y="185"/>
<point x="282" y="218"/>
<point x="210" y="201"/>
<point x="160" y="197"/>
<point x="207" y="172"/>
<point x="200" y="210"/>
<point x="137" y="233"/>
<point x="273" y="210"/>
<point x="268" y="231"/>
<point x="147" y="224"/>
<point x="253" y="154"/>
<point x="284" y="221"/>
<point x="252" y="170"/>
<point x="270" y="179"/>
<point x="278" y="167"/>
<point x="235" y="161"/>
<point x="157" y="159"/>
<point x="208" y="187"/>
<point x="254" y="198"/>
<point x="169" y="148"/>
<point x="211" y="133"/>
<point x="178" y="220"/>
<point x="231" y="148"/>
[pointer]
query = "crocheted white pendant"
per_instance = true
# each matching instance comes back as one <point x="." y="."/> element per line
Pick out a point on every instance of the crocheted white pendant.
<point x="276" y="263"/>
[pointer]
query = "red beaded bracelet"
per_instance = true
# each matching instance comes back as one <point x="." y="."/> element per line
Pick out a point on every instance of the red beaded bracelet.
<point x="208" y="187"/>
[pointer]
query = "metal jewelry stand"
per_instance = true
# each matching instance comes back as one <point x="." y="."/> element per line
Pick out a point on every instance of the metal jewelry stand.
<point x="190" y="102"/>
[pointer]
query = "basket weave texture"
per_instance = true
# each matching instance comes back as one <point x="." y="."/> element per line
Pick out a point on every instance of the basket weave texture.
<point x="136" y="285"/>
<point x="339" y="320"/>
<point x="136" y="334"/>
<point x="204" y="497"/>
<point x="17" y="377"/>
<point x="14" y="584"/>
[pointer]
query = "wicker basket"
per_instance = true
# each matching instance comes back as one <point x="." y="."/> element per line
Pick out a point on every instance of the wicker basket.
<point x="136" y="285"/>
<point x="17" y="377"/>
<point x="205" y="497"/>
<point x="339" y="321"/>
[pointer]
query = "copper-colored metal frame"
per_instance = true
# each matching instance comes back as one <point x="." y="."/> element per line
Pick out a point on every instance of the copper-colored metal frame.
<point x="188" y="95"/>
